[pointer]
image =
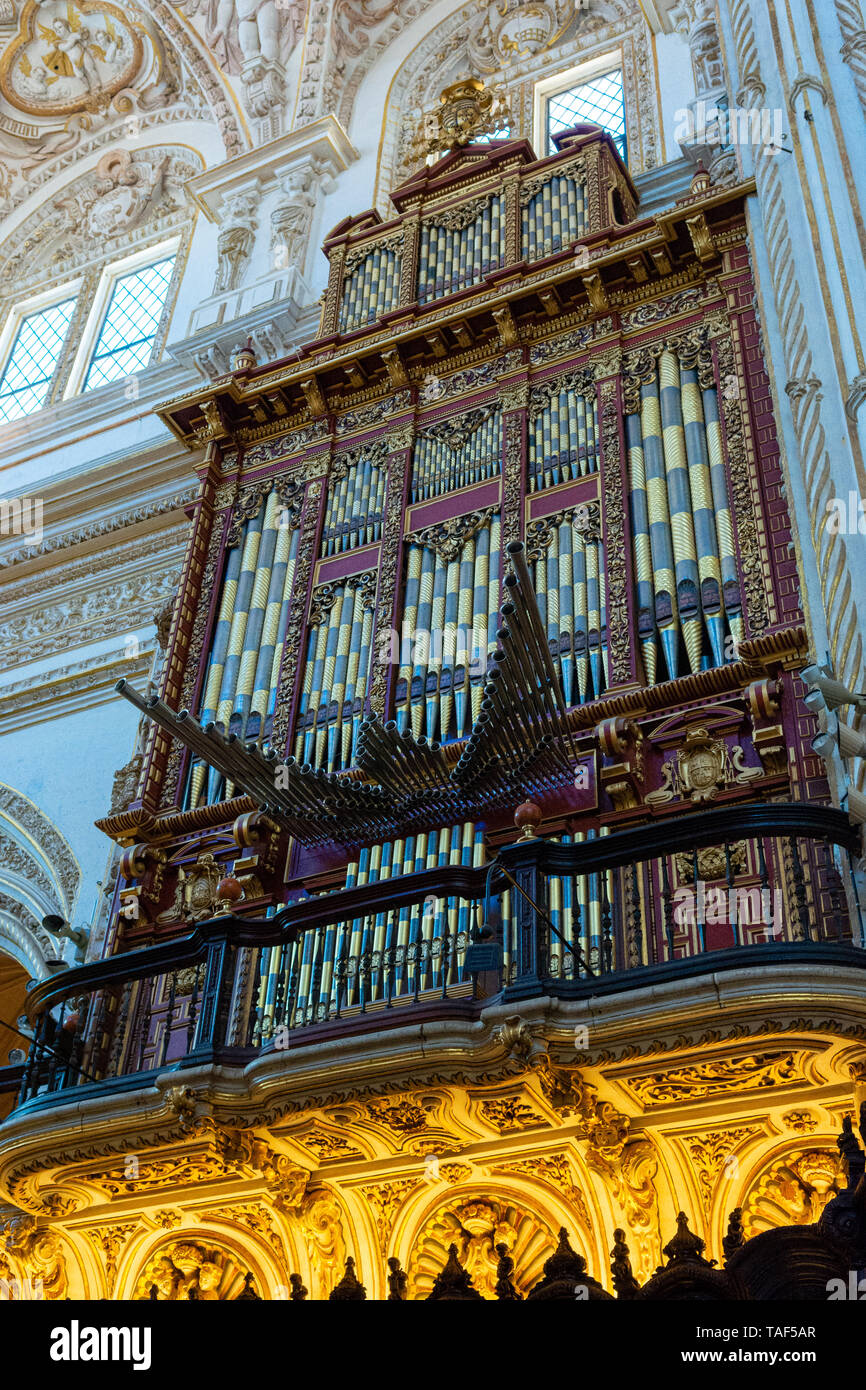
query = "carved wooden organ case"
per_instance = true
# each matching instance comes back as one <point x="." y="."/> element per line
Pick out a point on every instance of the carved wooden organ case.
<point x="518" y="355"/>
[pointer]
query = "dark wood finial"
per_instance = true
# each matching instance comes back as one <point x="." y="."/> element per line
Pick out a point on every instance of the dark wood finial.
<point x="454" y="1284"/>
<point x="504" y="1270"/>
<point x="398" y="1281"/>
<point x="624" y="1282"/>
<point x="349" y="1289"/>
<point x="686" y="1247"/>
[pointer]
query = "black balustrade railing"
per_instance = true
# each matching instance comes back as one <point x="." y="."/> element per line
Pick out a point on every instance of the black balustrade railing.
<point x="545" y="917"/>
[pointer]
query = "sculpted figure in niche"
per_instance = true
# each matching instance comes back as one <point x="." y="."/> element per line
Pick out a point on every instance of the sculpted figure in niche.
<point x="242" y="31"/>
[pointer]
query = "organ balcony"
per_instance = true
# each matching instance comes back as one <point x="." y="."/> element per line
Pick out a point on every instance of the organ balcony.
<point x="507" y="545"/>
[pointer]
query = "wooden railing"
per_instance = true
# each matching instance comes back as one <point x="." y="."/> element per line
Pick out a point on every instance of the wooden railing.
<point x="611" y="913"/>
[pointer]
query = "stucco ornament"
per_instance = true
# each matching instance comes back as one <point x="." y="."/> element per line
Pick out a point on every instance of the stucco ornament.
<point x="241" y="32"/>
<point x="70" y="56"/>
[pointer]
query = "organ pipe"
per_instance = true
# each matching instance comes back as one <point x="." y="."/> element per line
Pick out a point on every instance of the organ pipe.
<point x="240" y="688"/>
<point x="371" y="289"/>
<point x="336" y="673"/>
<point x="355" y="505"/>
<point x="563" y="439"/>
<point x="569" y="566"/>
<point x="452" y="257"/>
<point x="374" y="959"/>
<point x="553" y="217"/>
<point x="452" y="598"/>
<point x="446" y="458"/>
<point x="685" y="561"/>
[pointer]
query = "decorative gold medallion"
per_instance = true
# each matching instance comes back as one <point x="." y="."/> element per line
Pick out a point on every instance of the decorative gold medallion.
<point x="68" y="56"/>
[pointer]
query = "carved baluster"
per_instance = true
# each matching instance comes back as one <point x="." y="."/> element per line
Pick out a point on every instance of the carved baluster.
<point x="74" y="1069"/>
<point x="144" y="1021"/>
<point x="417" y="957"/>
<point x="290" y="1017"/>
<point x="798" y="879"/>
<point x="577" y="926"/>
<point x="729" y="879"/>
<point x="341" y="971"/>
<point x="606" y="918"/>
<point x="696" y="885"/>
<point x="119" y="1032"/>
<point x="257" y="1012"/>
<point x="765" y="879"/>
<point x="55" y="1047"/>
<point x="317" y="1010"/>
<point x="30" y="1079"/>
<point x="169" y="1021"/>
<point x="193" y="1007"/>
<point x="667" y="907"/>
<point x="282" y="967"/>
<point x="634" y="922"/>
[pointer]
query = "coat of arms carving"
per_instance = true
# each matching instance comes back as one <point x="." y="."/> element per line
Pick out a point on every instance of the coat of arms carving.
<point x="701" y="768"/>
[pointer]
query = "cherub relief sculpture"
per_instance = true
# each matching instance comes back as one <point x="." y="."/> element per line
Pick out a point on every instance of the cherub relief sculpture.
<point x="185" y="1272"/>
<point x="241" y="31"/>
<point x="70" y="55"/>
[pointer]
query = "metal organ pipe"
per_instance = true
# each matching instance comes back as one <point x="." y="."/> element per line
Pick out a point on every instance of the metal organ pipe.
<point x="453" y="257"/>
<point x="451" y="604"/>
<point x="240" y="688"/>
<point x="684" y="554"/>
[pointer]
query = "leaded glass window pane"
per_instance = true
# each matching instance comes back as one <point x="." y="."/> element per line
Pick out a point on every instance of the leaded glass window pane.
<point x="32" y="362"/>
<point x="599" y="102"/>
<point x="126" y="339"/>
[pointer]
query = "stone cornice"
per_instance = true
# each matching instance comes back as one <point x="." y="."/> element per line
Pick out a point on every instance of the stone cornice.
<point x="323" y="141"/>
<point x="78" y="685"/>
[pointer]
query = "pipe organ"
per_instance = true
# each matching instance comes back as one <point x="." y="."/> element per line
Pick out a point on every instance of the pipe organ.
<point x="392" y="955"/>
<point x="355" y="501"/>
<point x="451" y="602"/>
<point x="240" y="685"/>
<point x="457" y="453"/>
<point x="336" y="672"/>
<point x="563" y="433"/>
<point x="371" y="289"/>
<point x="552" y="215"/>
<point x="570" y="587"/>
<point x="493" y="536"/>
<point x="460" y="248"/>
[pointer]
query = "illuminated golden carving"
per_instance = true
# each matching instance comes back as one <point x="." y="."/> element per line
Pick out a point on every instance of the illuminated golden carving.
<point x="322" y="1227"/>
<point x="510" y="1113"/>
<point x="188" y="1271"/>
<point x="555" y="1170"/>
<point x="476" y="1226"/>
<point x="38" y="1251"/>
<point x="793" y="1191"/>
<point x="386" y="1199"/>
<point x="721" y="1076"/>
<point x="714" y="1155"/>
<point x="801" y="1121"/>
